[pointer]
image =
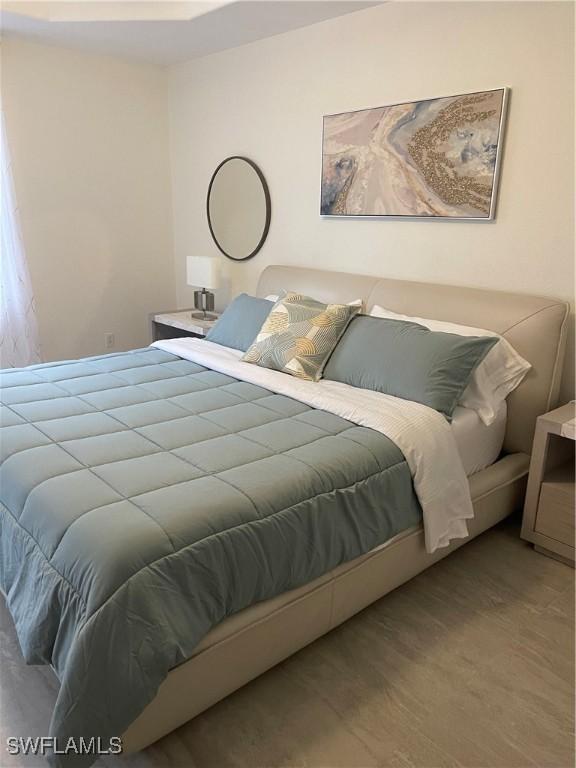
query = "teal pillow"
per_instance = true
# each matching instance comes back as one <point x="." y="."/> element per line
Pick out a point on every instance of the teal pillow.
<point x="240" y="322"/>
<point x="407" y="360"/>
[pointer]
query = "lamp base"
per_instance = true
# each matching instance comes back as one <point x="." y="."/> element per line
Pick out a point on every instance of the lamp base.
<point x="204" y="303"/>
<point x="203" y="316"/>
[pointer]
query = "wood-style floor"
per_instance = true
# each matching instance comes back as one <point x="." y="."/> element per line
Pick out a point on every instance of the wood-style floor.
<point x="470" y="664"/>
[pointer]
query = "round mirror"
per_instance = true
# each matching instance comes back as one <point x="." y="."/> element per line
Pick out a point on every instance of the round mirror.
<point x="238" y="207"/>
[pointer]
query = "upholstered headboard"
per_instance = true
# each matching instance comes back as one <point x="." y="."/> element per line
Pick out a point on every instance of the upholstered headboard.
<point x="535" y="326"/>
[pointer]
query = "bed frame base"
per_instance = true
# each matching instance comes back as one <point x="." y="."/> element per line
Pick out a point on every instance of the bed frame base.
<point x="251" y="642"/>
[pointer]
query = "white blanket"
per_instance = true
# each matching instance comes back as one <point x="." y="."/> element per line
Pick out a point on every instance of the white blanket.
<point x="422" y="434"/>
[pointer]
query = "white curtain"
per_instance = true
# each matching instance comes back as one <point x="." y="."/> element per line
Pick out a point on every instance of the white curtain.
<point x="19" y="343"/>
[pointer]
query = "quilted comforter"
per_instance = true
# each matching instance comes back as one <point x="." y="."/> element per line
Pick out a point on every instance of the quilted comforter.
<point x="144" y="498"/>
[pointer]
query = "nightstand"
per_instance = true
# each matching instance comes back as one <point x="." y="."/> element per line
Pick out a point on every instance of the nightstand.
<point x="549" y="511"/>
<point x="176" y="325"/>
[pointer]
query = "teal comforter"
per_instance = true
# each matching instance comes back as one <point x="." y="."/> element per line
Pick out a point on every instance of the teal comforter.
<point x="145" y="498"/>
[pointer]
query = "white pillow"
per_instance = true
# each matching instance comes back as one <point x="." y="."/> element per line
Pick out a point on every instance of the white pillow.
<point x="355" y="303"/>
<point x="499" y="373"/>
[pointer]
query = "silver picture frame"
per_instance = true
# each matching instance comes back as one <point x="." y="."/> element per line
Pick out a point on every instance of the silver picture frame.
<point x="500" y="137"/>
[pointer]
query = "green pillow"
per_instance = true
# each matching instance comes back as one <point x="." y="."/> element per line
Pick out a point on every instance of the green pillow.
<point x="407" y="360"/>
<point x="299" y="335"/>
<point x="240" y="322"/>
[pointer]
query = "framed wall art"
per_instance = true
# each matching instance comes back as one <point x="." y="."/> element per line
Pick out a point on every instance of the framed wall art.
<point x="436" y="158"/>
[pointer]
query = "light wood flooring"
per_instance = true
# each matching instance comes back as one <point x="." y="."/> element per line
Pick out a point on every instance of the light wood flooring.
<point x="470" y="664"/>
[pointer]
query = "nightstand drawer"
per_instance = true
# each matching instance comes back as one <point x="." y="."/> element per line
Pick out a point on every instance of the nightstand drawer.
<point x="556" y="516"/>
<point x="549" y="514"/>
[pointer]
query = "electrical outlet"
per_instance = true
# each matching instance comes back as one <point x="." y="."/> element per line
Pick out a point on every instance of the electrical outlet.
<point x="109" y="340"/>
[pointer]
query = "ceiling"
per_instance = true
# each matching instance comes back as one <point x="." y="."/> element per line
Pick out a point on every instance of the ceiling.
<point x="164" y="32"/>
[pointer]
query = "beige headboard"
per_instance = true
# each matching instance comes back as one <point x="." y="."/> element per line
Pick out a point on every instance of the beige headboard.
<point x="535" y="326"/>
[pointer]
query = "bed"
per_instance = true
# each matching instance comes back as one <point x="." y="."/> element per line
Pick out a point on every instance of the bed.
<point x="260" y="630"/>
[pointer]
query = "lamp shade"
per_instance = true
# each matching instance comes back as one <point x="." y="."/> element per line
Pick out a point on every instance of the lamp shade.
<point x="203" y="271"/>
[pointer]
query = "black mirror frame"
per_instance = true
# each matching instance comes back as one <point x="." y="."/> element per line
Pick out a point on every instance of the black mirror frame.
<point x="260" y="175"/>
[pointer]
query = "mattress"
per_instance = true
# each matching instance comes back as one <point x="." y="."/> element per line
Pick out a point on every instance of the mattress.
<point x="479" y="445"/>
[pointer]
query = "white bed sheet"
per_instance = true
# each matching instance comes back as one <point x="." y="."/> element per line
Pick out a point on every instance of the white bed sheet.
<point x="479" y="445"/>
<point x="423" y="435"/>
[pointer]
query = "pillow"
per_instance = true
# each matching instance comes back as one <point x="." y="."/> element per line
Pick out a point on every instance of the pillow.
<point x="407" y="360"/>
<point x="299" y="335"/>
<point x="494" y="379"/>
<point x="240" y="322"/>
<point x="356" y="303"/>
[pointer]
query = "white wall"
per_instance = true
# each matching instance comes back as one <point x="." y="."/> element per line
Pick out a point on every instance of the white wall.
<point x="266" y="101"/>
<point x="89" y="144"/>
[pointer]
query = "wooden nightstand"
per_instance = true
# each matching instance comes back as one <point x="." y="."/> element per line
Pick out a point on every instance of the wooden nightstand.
<point x="549" y="511"/>
<point x="176" y="325"/>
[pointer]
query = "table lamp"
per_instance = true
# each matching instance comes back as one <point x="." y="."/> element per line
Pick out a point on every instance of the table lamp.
<point x="203" y="272"/>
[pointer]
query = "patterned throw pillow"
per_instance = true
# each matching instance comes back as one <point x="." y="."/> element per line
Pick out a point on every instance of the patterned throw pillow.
<point x="299" y="335"/>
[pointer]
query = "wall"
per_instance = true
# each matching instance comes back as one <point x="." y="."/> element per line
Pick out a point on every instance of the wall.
<point x="89" y="143"/>
<point x="266" y="101"/>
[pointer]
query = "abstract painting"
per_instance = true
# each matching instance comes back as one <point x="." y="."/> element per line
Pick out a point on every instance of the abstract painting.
<point x="437" y="158"/>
